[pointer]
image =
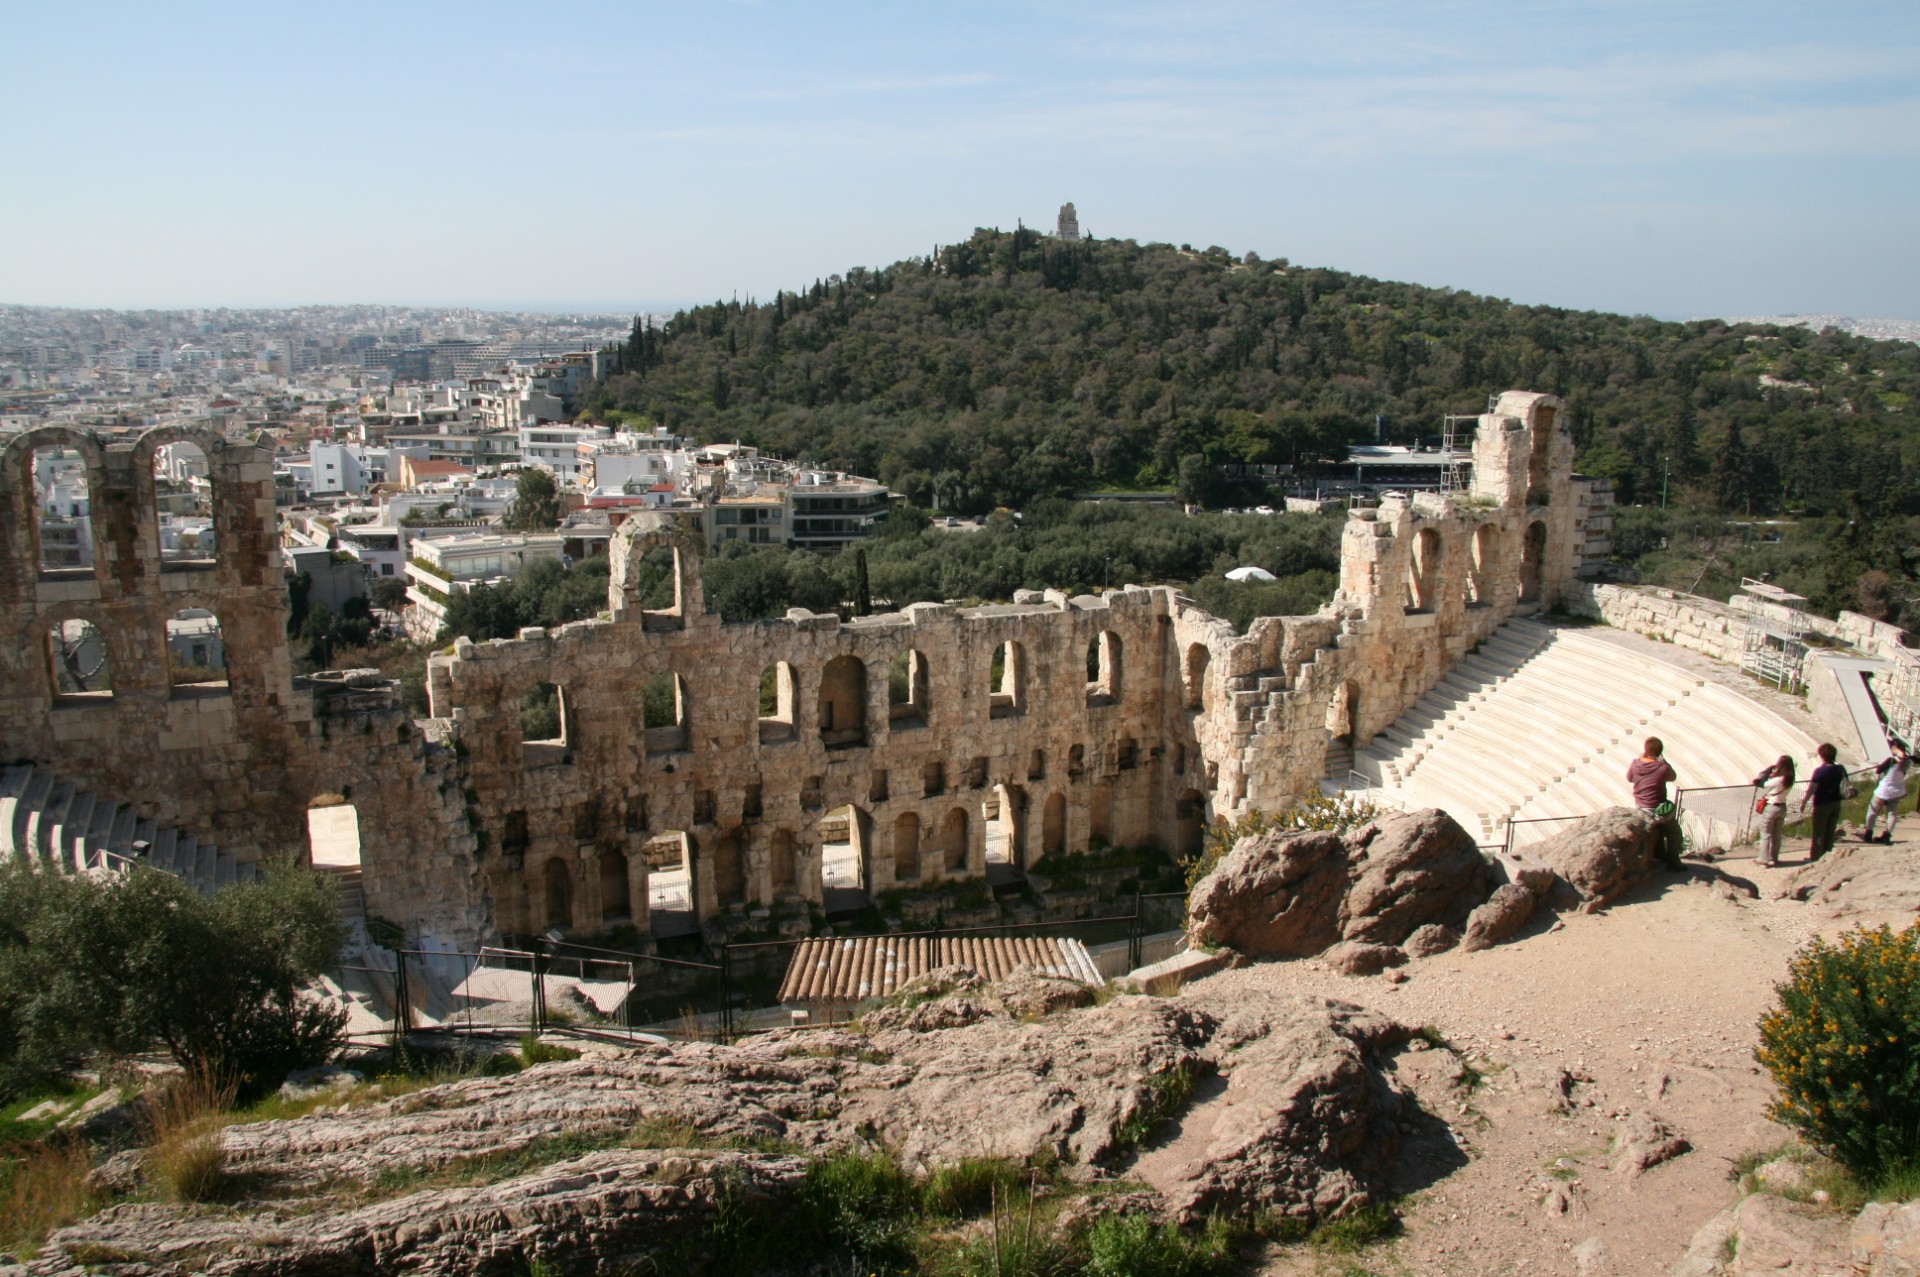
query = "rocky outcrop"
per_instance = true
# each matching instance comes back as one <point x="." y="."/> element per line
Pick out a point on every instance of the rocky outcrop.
<point x="1429" y="940"/>
<point x="1291" y="895"/>
<point x="1769" y="1234"/>
<point x="1357" y="957"/>
<point x="1602" y="856"/>
<point x="625" y="1158"/>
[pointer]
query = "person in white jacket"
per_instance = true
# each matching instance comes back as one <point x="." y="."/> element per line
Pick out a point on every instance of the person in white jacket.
<point x="1775" y="783"/>
<point x="1892" y="787"/>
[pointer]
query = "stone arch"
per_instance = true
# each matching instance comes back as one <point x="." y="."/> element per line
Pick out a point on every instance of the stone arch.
<point x="1533" y="556"/>
<point x="906" y="847"/>
<point x="556" y="894"/>
<point x="1199" y="694"/>
<point x="1423" y="571"/>
<point x="225" y="499"/>
<point x="615" y="904"/>
<point x="640" y="534"/>
<point x="663" y="713"/>
<point x="194" y="653"/>
<point x="843" y="702"/>
<point x="672" y="885"/>
<point x="543" y="721"/>
<point x="1486" y="559"/>
<point x="1104" y="661"/>
<point x="954" y="833"/>
<point x="1053" y="825"/>
<point x="729" y="869"/>
<point x="777" y="694"/>
<point x="1007" y="681"/>
<point x="846" y="840"/>
<point x="909" y="690"/>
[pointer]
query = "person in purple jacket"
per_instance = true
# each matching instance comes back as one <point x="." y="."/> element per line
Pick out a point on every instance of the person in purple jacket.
<point x="1649" y="775"/>
<point x="1826" y="788"/>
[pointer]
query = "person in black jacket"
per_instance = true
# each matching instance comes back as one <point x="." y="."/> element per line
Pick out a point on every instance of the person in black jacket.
<point x="1826" y="787"/>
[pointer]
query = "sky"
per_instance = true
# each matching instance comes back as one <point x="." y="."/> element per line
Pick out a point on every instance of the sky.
<point x="1668" y="158"/>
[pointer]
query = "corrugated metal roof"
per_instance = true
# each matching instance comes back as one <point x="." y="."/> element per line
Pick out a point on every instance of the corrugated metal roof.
<point x="855" y="968"/>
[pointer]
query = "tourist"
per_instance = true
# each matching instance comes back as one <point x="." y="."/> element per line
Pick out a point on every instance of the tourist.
<point x="1887" y="794"/>
<point x="1825" y="789"/>
<point x="1650" y="774"/>
<point x="1776" y="782"/>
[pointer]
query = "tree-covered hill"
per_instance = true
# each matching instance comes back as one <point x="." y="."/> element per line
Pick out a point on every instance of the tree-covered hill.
<point x="1014" y="366"/>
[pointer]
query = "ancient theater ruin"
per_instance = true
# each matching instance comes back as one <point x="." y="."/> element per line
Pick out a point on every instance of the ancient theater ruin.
<point x="709" y="767"/>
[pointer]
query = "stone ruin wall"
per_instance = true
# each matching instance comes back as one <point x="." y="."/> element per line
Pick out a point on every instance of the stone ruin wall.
<point x="467" y="830"/>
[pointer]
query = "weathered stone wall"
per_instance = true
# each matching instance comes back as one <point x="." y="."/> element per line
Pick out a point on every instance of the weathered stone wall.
<point x="1127" y="718"/>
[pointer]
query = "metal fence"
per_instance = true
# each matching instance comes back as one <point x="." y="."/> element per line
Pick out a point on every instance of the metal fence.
<point x="1520" y="837"/>
<point x="1719" y="816"/>
<point x="586" y="991"/>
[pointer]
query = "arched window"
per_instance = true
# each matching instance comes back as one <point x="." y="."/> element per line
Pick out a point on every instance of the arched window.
<point x="183" y="506"/>
<point x="196" y="657"/>
<point x="79" y="669"/>
<point x="62" y="510"/>
<point x="1540" y="457"/>
<point x="908" y="690"/>
<point x="663" y="713"/>
<point x="1103" y="669"/>
<point x="776" y="703"/>
<point x="843" y="702"/>
<point x="1007" y="681"/>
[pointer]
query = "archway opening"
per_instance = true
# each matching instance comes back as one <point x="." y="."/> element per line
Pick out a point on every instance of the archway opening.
<point x="843" y="702"/>
<point x="79" y="668"/>
<point x="196" y="657"/>
<point x="663" y="713"/>
<point x="908" y="690"/>
<point x="1007" y="681"/>
<point x="670" y="888"/>
<point x="845" y="864"/>
<point x="62" y="511"/>
<point x="1532" y="559"/>
<point x="1190" y="824"/>
<point x="776" y="703"/>
<point x="183" y="506"/>
<point x="1103" y="669"/>
<point x="1540" y="455"/>
<point x="1003" y="813"/>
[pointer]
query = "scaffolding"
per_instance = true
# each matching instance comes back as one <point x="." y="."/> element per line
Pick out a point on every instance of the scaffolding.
<point x="1454" y="464"/>
<point x="1774" y="645"/>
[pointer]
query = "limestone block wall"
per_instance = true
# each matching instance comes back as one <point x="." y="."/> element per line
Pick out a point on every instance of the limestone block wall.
<point x="1127" y="718"/>
<point x="1685" y="620"/>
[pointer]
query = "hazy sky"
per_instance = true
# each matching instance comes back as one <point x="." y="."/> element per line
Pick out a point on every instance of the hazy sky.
<point x="1664" y="157"/>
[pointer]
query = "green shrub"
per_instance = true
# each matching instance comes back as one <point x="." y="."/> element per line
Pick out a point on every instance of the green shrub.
<point x="1843" y="1046"/>
<point x="1318" y="811"/>
<point x="42" y="1187"/>
<point x="862" y="1203"/>
<point x="1166" y="1095"/>
<point x="1135" y="1246"/>
<point x="969" y="1186"/>
<point x="533" y="1051"/>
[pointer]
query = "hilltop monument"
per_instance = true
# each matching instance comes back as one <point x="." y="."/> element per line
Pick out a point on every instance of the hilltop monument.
<point x="1069" y="229"/>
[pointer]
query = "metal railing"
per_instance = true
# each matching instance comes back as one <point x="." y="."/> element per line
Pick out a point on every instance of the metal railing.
<point x="1718" y="816"/>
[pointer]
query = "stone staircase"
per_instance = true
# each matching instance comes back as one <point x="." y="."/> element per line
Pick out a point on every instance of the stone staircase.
<point x="53" y="823"/>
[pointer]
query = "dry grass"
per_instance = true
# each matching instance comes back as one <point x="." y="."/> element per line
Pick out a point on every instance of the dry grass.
<point x="42" y="1187"/>
<point x="185" y="1158"/>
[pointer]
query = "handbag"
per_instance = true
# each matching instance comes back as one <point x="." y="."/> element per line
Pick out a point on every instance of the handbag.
<point x="1760" y="806"/>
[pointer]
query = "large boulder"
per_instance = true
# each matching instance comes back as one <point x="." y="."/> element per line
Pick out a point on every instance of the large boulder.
<point x="1602" y="856"/>
<point x="1291" y="895"/>
<point x="1507" y="910"/>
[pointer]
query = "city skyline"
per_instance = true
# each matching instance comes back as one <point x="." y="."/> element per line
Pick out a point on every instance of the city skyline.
<point x="1711" y="160"/>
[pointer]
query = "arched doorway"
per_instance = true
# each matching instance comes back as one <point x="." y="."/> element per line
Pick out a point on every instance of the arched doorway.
<point x="615" y="905"/>
<point x="1004" y="813"/>
<point x="1199" y="695"/>
<point x="729" y="870"/>
<point x="1486" y="553"/>
<point x="906" y="847"/>
<point x="843" y="702"/>
<point x="1190" y="825"/>
<point x="557" y="885"/>
<point x="1053" y="826"/>
<point x="953" y="841"/>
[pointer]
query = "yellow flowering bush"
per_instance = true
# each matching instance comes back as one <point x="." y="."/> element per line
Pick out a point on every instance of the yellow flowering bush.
<point x="1843" y="1046"/>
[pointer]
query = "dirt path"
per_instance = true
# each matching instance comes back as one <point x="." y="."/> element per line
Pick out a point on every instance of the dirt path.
<point x="1581" y="1034"/>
